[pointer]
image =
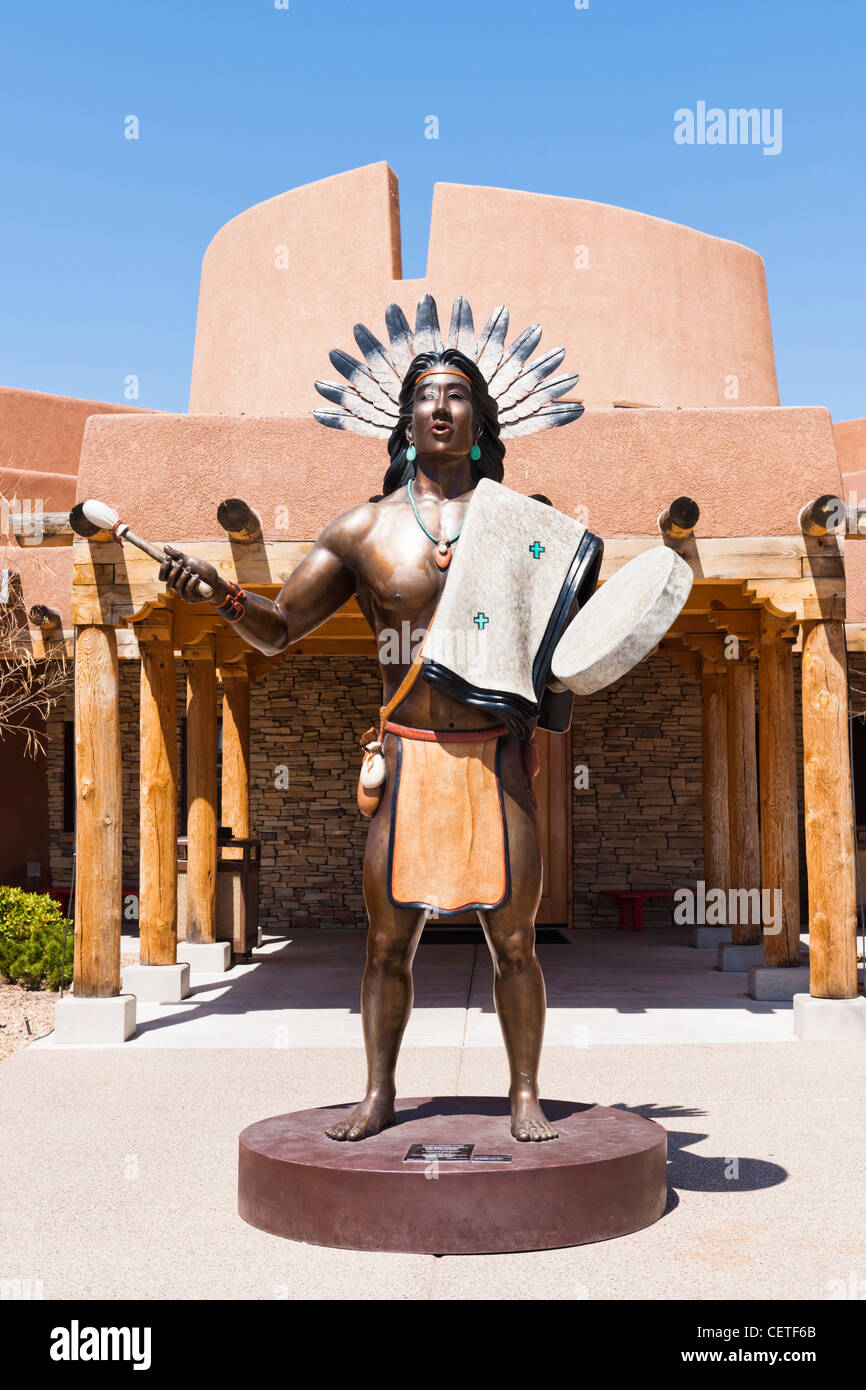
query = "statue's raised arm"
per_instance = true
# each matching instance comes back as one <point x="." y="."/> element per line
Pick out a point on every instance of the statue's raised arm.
<point x="319" y="586"/>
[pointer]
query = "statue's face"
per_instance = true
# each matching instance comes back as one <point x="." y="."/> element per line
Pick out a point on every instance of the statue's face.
<point x="442" y="416"/>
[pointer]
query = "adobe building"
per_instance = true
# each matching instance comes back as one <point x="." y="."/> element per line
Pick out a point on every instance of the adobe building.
<point x="722" y="759"/>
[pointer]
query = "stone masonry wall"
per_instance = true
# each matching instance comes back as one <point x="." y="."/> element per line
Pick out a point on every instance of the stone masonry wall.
<point x="638" y="822"/>
<point x="307" y="717"/>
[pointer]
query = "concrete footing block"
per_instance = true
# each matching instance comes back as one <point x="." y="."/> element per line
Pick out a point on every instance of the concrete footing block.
<point x="84" y="1020"/>
<point x="778" y="981"/>
<point x="830" y="1020"/>
<point x="157" y="984"/>
<point x="205" y="957"/>
<point x="732" y="956"/>
<point x="705" y="938"/>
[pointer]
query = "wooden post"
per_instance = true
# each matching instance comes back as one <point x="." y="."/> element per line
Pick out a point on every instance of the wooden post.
<point x="236" y="749"/>
<point x="201" y="779"/>
<point x="99" y="810"/>
<point x="778" y="783"/>
<point x="714" y="775"/>
<point x="743" y="799"/>
<point x="158" y="802"/>
<point x="830" y="845"/>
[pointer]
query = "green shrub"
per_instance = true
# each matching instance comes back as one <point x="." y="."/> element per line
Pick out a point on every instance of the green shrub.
<point x="31" y="939"/>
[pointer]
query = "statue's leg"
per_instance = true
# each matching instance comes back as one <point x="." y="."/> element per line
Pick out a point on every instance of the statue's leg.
<point x="518" y="985"/>
<point x="386" y="990"/>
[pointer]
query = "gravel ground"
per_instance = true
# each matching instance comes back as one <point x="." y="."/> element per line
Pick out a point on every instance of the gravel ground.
<point x="20" y="1006"/>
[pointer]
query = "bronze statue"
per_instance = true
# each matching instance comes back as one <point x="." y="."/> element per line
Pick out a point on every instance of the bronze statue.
<point x="393" y="556"/>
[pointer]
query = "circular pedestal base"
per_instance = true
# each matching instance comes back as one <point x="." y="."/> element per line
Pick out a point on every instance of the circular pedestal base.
<point x="606" y="1175"/>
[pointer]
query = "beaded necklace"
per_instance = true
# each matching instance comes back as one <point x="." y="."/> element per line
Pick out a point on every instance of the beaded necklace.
<point x="442" y="553"/>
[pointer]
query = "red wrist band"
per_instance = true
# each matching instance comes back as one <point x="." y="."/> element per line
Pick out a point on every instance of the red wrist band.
<point x="234" y="605"/>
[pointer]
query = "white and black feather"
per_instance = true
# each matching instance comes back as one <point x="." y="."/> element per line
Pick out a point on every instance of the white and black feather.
<point x="428" y="335"/>
<point x="400" y="335"/>
<point x="461" y="334"/>
<point x="526" y="400"/>
<point x="547" y="418"/>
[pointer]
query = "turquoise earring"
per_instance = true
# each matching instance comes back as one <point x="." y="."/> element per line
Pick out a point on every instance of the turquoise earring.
<point x="475" y="452"/>
<point x="411" y="453"/>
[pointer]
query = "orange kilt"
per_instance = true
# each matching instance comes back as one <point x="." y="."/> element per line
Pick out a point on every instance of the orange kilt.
<point x="448" y="847"/>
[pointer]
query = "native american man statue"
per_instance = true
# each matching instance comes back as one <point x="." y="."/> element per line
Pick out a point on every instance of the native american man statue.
<point x="447" y="774"/>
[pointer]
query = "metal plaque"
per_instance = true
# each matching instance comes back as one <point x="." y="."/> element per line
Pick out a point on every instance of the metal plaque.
<point x="444" y="1153"/>
<point x="492" y="1158"/>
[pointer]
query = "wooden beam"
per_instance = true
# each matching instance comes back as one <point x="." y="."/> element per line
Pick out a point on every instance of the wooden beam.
<point x="855" y="637"/>
<point x="777" y="747"/>
<point x="43" y="529"/>
<point x="109" y="585"/>
<point x="47" y="618"/>
<point x="99" y="812"/>
<point x="800" y="599"/>
<point x="85" y="529"/>
<point x="236" y="749"/>
<point x="742" y="623"/>
<point x="823" y="515"/>
<point x="239" y="521"/>
<point x="711" y="647"/>
<point x="678" y="521"/>
<point x="830" y="839"/>
<point x="689" y="625"/>
<point x="201" y="780"/>
<point x="830" y="516"/>
<point x="44" y="644"/>
<point x="745" y="855"/>
<point x="158" y="802"/>
<point x="714" y="775"/>
<point x="705" y="596"/>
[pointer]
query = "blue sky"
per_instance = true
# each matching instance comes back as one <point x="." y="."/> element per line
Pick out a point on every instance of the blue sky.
<point x="102" y="237"/>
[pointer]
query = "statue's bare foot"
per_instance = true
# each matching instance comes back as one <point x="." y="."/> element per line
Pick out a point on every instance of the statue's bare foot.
<point x="376" y="1112"/>
<point x="527" y="1119"/>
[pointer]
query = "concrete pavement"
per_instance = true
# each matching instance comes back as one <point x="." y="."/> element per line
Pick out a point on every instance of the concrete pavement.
<point x="603" y="987"/>
<point x="118" y="1164"/>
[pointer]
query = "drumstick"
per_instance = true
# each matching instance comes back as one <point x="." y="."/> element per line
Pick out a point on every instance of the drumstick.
<point x="107" y="519"/>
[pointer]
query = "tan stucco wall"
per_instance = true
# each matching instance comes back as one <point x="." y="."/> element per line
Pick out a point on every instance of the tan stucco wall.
<point x="851" y="446"/>
<point x="40" y="443"/>
<point x="661" y="315"/>
<point x="40" y="447"/>
<point x="749" y="470"/>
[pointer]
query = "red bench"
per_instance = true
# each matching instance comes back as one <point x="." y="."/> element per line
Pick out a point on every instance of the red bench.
<point x="630" y="902"/>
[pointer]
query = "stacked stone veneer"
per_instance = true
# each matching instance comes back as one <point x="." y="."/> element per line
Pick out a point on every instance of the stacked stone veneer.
<point x="62" y="842"/>
<point x="638" y="822"/>
<point x="308" y="717"/>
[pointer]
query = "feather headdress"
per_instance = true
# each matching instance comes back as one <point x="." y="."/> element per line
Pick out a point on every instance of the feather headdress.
<point x="526" y="399"/>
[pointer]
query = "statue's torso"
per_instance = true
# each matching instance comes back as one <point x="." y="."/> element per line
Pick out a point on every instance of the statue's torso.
<point x="398" y="588"/>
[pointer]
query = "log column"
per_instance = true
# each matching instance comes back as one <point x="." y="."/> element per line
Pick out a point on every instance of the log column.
<point x="745" y="864"/>
<point x="830" y="841"/>
<point x="714" y="774"/>
<point x="99" y="810"/>
<point x="158" y="801"/>
<point x="778" y="785"/>
<point x="201" y="779"/>
<point x="236" y="748"/>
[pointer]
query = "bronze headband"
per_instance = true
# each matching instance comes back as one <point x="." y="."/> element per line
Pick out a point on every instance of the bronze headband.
<point x="441" y="371"/>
